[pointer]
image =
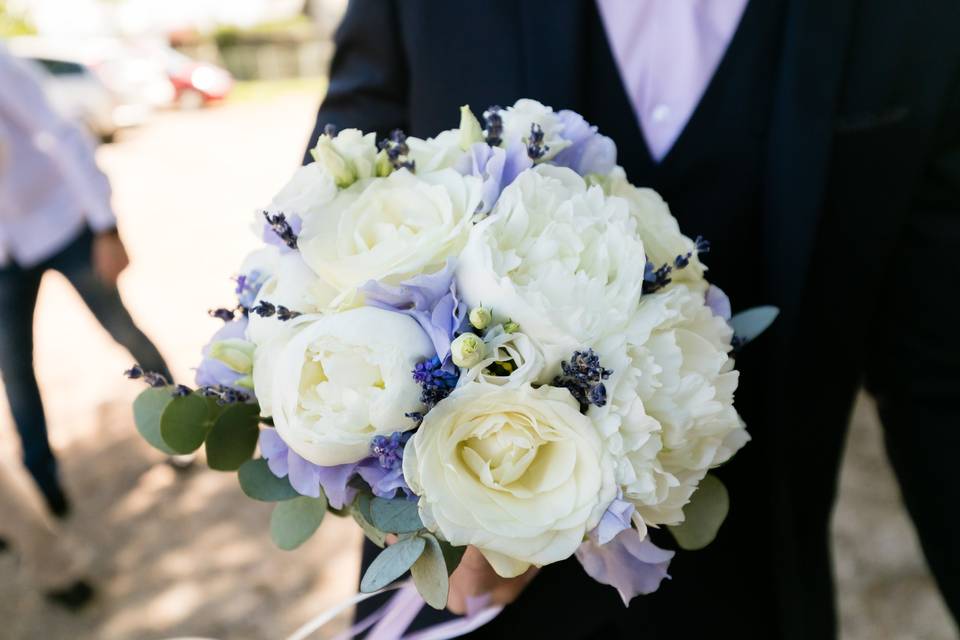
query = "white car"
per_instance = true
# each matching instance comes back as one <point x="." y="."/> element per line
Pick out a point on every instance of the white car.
<point x="76" y="93"/>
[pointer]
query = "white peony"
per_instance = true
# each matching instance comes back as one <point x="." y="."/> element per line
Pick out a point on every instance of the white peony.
<point x="519" y="473"/>
<point x="518" y="119"/>
<point x="561" y="260"/>
<point x="390" y="228"/>
<point x="670" y="415"/>
<point x="333" y="382"/>
<point x="515" y="350"/>
<point x="658" y="229"/>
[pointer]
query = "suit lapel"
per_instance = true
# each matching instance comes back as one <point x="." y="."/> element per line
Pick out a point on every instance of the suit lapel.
<point x="552" y="66"/>
<point x="815" y="45"/>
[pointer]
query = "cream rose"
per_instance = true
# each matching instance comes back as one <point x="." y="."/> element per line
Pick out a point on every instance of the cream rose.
<point x="390" y="228"/>
<point x="333" y="382"/>
<point x="519" y="473"/>
<point x="307" y="192"/>
<point x="562" y="260"/>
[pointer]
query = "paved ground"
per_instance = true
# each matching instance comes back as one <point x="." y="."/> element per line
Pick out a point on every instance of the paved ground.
<point x="189" y="554"/>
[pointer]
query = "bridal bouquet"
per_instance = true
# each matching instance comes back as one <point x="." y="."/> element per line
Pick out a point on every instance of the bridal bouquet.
<point x="485" y="338"/>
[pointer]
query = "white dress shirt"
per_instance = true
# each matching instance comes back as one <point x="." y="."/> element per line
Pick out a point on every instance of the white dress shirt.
<point x="50" y="186"/>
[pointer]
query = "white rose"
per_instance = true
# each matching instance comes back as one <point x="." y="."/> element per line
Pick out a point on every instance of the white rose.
<point x="347" y="157"/>
<point x="677" y="373"/>
<point x="307" y="192"/>
<point x="563" y="261"/>
<point x="333" y="382"/>
<point x="515" y="350"/>
<point x="519" y="473"/>
<point x="390" y="228"/>
<point x="658" y="228"/>
<point x="467" y="350"/>
<point x="292" y="284"/>
<point x="517" y="121"/>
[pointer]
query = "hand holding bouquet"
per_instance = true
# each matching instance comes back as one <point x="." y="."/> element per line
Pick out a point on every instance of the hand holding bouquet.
<point x="486" y="338"/>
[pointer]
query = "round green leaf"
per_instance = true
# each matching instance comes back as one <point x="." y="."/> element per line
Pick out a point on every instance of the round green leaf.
<point x="429" y="573"/>
<point x="392" y="563"/>
<point x="360" y="510"/>
<point x="395" y="516"/>
<point x="184" y="423"/>
<point x="703" y="515"/>
<point x="294" y="521"/>
<point x="147" y="409"/>
<point x="259" y="483"/>
<point x="233" y="438"/>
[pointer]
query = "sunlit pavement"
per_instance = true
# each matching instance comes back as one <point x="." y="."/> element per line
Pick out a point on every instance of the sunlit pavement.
<point x="188" y="554"/>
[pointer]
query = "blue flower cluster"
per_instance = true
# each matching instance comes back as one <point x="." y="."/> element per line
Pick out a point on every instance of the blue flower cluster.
<point x="388" y="450"/>
<point x="437" y="384"/>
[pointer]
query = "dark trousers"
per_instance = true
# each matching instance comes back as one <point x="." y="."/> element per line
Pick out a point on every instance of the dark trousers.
<point x="18" y="297"/>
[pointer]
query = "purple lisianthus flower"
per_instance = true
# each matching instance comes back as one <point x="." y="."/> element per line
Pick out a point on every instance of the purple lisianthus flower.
<point x="718" y="302"/>
<point x="271" y="237"/>
<point x="430" y="299"/>
<point x="495" y="166"/>
<point x="615" y="519"/>
<point x="589" y="151"/>
<point x="305" y="477"/>
<point x="632" y="565"/>
<point x="213" y="372"/>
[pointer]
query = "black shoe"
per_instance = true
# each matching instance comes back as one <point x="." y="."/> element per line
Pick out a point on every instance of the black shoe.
<point x="57" y="502"/>
<point x="4" y="545"/>
<point x="74" y="597"/>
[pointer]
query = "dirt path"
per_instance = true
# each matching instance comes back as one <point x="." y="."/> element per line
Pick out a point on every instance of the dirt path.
<point x="189" y="554"/>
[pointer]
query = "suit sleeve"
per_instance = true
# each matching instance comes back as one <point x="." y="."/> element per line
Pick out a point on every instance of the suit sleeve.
<point x="914" y="369"/>
<point x="368" y="75"/>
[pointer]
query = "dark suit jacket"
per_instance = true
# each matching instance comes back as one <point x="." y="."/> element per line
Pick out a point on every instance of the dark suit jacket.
<point x="861" y="250"/>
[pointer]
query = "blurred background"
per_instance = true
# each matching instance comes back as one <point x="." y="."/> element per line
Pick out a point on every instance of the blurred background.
<point x="178" y="92"/>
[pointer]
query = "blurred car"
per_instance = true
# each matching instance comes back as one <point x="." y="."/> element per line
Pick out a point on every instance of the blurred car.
<point x="196" y="83"/>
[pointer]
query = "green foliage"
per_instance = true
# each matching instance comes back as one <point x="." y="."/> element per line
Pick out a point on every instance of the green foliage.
<point x="185" y="422"/>
<point x="233" y="438"/>
<point x="395" y="516"/>
<point x="392" y="563"/>
<point x="360" y="510"/>
<point x="294" y="521"/>
<point x="429" y="573"/>
<point x="703" y="515"/>
<point x="259" y="483"/>
<point x="147" y="409"/>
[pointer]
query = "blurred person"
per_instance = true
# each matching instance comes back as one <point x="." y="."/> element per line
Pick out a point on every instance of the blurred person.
<point x="55" y="214"/>
<point x="816" y="143"/>
<point x="51" y="562"/>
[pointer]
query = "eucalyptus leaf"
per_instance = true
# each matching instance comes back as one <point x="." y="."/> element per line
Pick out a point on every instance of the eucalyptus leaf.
<point x="392" y="563"/>
<point x="451" y="555"/>
<point x="703" y="515"/>
<point x="233" y="438"/>
<point x="749" y="324"/>
<point x="429" y="573"/>
<point x="147" y="409"/>
<point x="259" y="483"/>
<point x="360" y="510"/>
<point x="185" y="422"/>
<point x="395" y="516"/>
<point x="294" y="521"/>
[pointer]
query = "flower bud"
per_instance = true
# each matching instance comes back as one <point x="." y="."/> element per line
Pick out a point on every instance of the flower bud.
<point x="481" y="318"/>
<point x="235" y="353"/>
<point x="325" y="154"/>
<point x="510" y="326"/>
<point x="467" y="350"/>
<point x="470" y="130"/>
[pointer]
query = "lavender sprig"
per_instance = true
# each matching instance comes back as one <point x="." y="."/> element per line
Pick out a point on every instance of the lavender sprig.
<point x="224" y="395"/>
<point x="278" y="222"/>
<point x="266" y="309"/>
<point x="536" y="149"/>
<point x="389" y="449"/>
<point x="397" y="149"/>
<point x="152" y="378"/>
<point x="656" y="278"/>
<point x="583" y="376"/>
<point x="493" y="134"/>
